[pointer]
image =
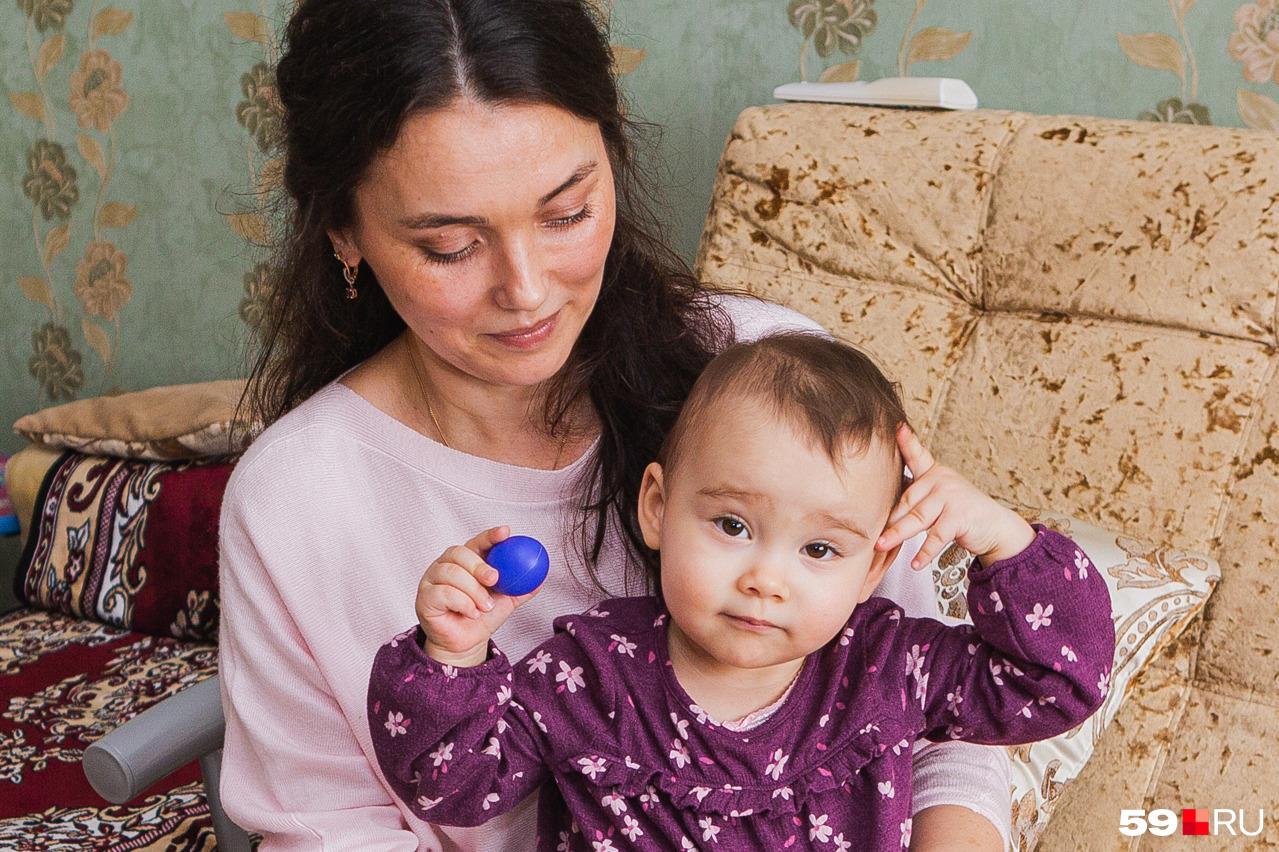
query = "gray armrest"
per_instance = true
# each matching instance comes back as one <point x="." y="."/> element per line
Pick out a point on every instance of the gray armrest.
<point x="156" y="742"/>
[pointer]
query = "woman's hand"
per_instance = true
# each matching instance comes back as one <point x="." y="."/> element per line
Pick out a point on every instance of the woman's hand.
<point x="951" y="509"/>
<point x="457" y="611"/>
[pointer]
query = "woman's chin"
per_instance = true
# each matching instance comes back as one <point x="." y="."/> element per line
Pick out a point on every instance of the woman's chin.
<point x="523" y="371"/>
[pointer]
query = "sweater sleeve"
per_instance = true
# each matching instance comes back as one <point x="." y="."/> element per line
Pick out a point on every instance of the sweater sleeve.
<point x="1036" y="661"/>
<point x="754" y="318"/>
<point x="293" y="770"/>
<point x="454" y="743"/>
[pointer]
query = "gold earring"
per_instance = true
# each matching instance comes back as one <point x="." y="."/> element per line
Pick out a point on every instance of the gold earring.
<point x="349" y="273"/>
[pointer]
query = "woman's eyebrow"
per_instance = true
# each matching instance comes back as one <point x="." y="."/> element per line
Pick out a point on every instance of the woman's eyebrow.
<point x="583" y="171"/>
<point x="426" y="221"/>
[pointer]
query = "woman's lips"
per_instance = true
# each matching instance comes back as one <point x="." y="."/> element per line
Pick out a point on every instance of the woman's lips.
<point x="529" y="337"/>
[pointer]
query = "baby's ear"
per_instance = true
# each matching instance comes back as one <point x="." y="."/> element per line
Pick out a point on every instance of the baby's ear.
<point x="652" y="504"/>
<point x="879" y="565"/>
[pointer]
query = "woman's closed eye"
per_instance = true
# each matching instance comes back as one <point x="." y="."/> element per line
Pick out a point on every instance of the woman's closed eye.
<point x="731" y="526"/>
<point x="451" y="256"/>
<point x="445" y="257"/>
<point x="573" y="219"/>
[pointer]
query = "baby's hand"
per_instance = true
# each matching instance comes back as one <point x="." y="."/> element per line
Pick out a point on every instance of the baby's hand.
<point x="457" y="611"/>
<point x="952" y="509"/>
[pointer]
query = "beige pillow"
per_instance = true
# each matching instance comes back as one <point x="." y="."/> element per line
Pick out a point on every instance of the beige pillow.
<point x="174" y="422"/>
<point x="1155" y="592"/>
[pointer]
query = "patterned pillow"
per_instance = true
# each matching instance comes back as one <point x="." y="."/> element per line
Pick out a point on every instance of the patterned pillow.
<point x="1155" y="593"/>
<point x="174" y="422"/>
<point x="128" y="543"/>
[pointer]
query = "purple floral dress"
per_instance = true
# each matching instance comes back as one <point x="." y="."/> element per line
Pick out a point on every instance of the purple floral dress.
<point x="634" y="763"/>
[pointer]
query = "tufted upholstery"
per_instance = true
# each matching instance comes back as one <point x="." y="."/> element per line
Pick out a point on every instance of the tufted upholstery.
<point x="1083" y="314"/>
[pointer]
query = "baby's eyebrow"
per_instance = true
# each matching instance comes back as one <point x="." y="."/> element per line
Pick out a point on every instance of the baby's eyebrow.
<point x="731" y="493"/>
<point x="844" y="523"/>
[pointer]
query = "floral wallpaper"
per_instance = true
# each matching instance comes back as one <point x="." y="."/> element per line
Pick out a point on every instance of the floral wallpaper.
<point x="79" y="249"/>
<point x="122" y="148"/>
<point x="259" y="114"/>
<point x="138" y="138"/>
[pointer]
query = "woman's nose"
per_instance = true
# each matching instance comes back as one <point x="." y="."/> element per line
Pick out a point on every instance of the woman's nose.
<point x="521" y="284"/>
<point x="764" y="580"/>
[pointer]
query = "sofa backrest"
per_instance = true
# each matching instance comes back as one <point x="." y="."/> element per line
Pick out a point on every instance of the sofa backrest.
<point x="1082" y="312"/>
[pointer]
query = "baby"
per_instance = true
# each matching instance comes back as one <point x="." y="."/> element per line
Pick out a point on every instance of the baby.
<point x="762" y="699"/>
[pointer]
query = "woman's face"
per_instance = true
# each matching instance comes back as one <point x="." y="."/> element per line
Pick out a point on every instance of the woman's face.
<point x="488" y="228"/>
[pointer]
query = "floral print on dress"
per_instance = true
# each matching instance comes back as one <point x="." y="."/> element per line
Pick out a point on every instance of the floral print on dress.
<point x="662" y="775"/>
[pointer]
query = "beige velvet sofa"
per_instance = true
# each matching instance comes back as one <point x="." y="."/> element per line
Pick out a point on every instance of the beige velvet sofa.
<point x="1083" y="315"/>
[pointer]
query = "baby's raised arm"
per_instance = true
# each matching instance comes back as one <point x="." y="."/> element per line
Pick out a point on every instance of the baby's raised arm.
<point x="1036" y="661"/>
<point x="448" y="737"/>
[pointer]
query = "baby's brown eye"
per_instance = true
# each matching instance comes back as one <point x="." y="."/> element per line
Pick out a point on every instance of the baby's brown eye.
<point x="818" y="550"/>
<point x="731" y="526"/>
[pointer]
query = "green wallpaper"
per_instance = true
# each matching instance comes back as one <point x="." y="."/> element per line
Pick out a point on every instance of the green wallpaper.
<point x="1211" y="61"/>
<point x="135" y="138"/>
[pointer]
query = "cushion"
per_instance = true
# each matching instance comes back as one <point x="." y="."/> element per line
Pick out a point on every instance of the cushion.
<point x="178" y="421"/>
<point x="23" y="476"/>
<point x="129" y="543"/>
<point x="1155" y="592"/>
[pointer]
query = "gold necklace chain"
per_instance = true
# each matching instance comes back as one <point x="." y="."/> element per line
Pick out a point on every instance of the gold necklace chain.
<point x="421" y="386"/>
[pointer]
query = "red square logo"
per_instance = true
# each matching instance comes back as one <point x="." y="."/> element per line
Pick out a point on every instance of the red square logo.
<point x="1194" y="820"/>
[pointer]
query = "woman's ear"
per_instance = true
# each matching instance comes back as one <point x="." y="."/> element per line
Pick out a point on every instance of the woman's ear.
<point x="344" y="247"/>
<point x="879" y="565"/>
<point x="652" y="502"/>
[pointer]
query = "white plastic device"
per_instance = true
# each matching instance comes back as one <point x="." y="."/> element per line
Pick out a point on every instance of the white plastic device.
<point x="926" y="92"/>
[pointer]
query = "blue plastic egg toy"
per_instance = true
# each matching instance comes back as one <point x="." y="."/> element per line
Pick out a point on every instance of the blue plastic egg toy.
<point x="521" y="564"/>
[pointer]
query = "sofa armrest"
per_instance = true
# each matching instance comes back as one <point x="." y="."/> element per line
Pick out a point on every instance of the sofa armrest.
<point x="156" y="742"/>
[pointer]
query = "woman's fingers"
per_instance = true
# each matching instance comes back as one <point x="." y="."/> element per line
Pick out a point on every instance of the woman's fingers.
<point x="914" y="453"/>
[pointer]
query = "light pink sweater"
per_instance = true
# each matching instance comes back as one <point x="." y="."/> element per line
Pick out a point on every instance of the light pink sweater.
<point x="327" y="525"/>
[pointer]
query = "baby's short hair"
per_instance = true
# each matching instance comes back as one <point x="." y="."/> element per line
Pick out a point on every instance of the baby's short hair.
<point x="828" y="390"/>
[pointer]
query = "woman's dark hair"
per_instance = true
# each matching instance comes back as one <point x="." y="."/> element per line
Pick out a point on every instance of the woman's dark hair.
<point x="350" y="75"/>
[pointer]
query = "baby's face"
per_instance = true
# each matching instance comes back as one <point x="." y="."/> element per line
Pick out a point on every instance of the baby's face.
<point x="766" y="545"/>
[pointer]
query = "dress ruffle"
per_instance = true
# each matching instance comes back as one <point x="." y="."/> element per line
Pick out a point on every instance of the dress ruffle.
<point x="693" y="791"/>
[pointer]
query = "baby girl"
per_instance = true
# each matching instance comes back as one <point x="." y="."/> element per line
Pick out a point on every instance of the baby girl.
<point x="761" y="699"/>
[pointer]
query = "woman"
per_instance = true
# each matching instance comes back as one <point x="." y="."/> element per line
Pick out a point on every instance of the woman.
<point x="473" y="325"/>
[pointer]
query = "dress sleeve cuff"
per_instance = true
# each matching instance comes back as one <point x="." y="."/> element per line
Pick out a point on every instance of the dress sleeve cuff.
<point x="494" y="662"/>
